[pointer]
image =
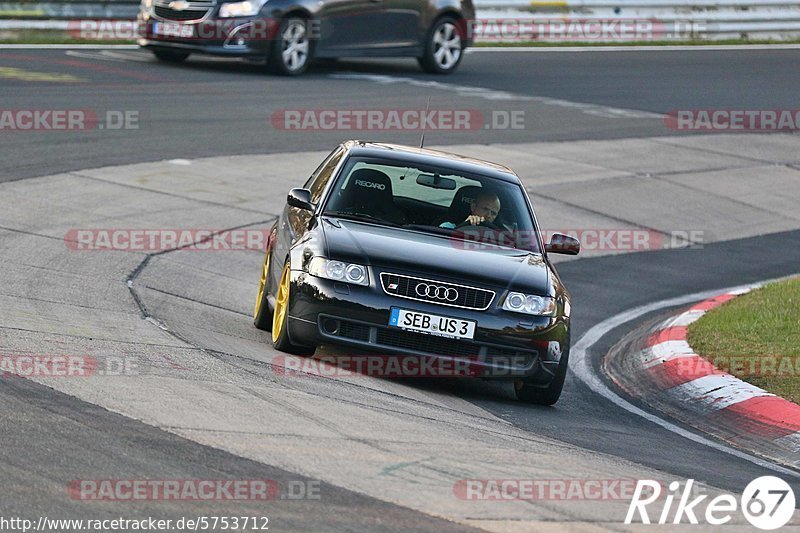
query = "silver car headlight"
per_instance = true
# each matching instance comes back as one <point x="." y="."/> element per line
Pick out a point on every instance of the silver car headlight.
<point x="338" y="271"/>
<point x="241" y="9"/>
<point x="530" y="304"/>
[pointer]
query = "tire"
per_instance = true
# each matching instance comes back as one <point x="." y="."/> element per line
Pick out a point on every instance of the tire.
<point x="292" y="50"/>
<point x="529" y="393"/>
<point x="171" y="56"/>
<point x="280" y="318"/>
<point x="444" y="47"/>
<point x="262" y="315"/>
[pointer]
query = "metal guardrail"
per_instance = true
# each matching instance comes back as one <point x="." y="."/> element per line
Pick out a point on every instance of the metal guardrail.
<point x="671" y="20"/>
<point x="624" y="4"/>
<point x="538" y="20"/>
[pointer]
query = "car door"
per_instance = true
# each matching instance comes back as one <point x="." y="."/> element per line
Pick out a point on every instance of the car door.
<point x="400" y="23"/>
<point x="346" y="26"/>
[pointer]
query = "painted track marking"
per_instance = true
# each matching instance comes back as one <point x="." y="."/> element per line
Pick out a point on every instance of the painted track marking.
<point x="581" y="367"/>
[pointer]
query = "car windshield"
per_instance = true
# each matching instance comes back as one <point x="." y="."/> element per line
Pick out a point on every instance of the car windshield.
<point x="481" y="211"/>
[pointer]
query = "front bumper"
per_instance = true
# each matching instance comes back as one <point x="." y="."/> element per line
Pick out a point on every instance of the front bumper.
<point x="234" y="37"/>
<point x="505" y="345"/>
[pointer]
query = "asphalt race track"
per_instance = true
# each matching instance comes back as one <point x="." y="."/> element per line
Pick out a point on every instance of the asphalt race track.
<point x="213" y="107"/>
<point x="211" y="401"/>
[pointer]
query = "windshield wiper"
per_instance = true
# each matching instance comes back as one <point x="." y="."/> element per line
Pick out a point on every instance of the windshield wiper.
<point x="362" y="217"/>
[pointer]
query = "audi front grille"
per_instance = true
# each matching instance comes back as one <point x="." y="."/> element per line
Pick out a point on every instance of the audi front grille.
<point x="436" y="292"/>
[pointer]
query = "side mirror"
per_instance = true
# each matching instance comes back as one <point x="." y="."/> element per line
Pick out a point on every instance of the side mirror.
<point x="300" y="198"/>
<point x="563" y="244"/>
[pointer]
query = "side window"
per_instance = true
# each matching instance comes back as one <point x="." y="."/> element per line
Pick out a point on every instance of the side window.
<point x="317" y="182"/>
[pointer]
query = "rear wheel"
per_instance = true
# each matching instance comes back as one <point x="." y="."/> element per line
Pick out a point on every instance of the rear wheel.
<point x="280" y="318"/>
<point x="171" y="56"/>
<point x="290" y="54"/>
<point x="444" y="47"/>
<point x="262" y="316"/>
<point x="529" y="393"/>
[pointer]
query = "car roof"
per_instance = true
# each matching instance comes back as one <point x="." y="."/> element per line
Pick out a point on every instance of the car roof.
<point x="426" y="156"/>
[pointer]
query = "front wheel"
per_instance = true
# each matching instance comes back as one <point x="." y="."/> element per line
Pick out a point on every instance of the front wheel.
<point x="444" y="47"/>
<point x="280" y="318"/>
<point x="290" y="54"/>
<point x="262" y="316"/>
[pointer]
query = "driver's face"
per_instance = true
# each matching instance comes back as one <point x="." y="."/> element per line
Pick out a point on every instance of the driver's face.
<point x="487" y="208"/>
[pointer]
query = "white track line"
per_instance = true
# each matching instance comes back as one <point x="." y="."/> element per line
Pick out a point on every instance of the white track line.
<point x="495" y="95"/>
<point x="142" y="58"/>
<point x="92" y="55"/>
<point x="645" y="48"/>
<point x="582" y="368"/>
<point x="109" y="55"/>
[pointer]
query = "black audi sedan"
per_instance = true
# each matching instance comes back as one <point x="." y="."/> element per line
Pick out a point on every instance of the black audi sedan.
<point x="402" y="250"/>
<point x="291" y="33"/>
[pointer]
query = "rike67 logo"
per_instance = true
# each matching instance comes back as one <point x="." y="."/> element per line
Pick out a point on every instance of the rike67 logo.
<point x="767" y="503"/>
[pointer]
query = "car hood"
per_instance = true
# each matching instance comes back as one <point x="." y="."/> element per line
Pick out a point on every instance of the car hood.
<point x="435" y="256"/>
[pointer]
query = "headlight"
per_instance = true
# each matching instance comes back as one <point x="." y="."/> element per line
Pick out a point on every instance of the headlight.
<point x="530" y="304"/>
<point x="338" y="271"/>
<point x="241" y="9"/>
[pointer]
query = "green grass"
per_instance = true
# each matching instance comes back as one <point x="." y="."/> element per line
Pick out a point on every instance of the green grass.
<point x="65" y="40"/>
<point x="756" y="337"/>
<point x="51" y="37"/>
<point x="37" y="36"/>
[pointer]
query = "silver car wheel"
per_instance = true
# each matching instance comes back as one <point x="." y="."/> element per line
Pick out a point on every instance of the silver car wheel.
<point x="447" y="46"/>
<point x="295" y="45"/>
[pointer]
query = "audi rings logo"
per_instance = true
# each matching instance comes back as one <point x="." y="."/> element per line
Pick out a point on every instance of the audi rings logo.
<point x="437" y="292"/>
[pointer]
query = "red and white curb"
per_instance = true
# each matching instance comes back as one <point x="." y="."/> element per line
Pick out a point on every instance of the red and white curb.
<point x="658" y="367"/>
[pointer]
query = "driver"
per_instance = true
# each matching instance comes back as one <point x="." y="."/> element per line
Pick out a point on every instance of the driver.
<point x="484" y="208"/>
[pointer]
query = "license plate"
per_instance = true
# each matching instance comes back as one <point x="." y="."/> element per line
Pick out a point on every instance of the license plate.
<point x="442" y="326"/>
<point x="173" y="29"/>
